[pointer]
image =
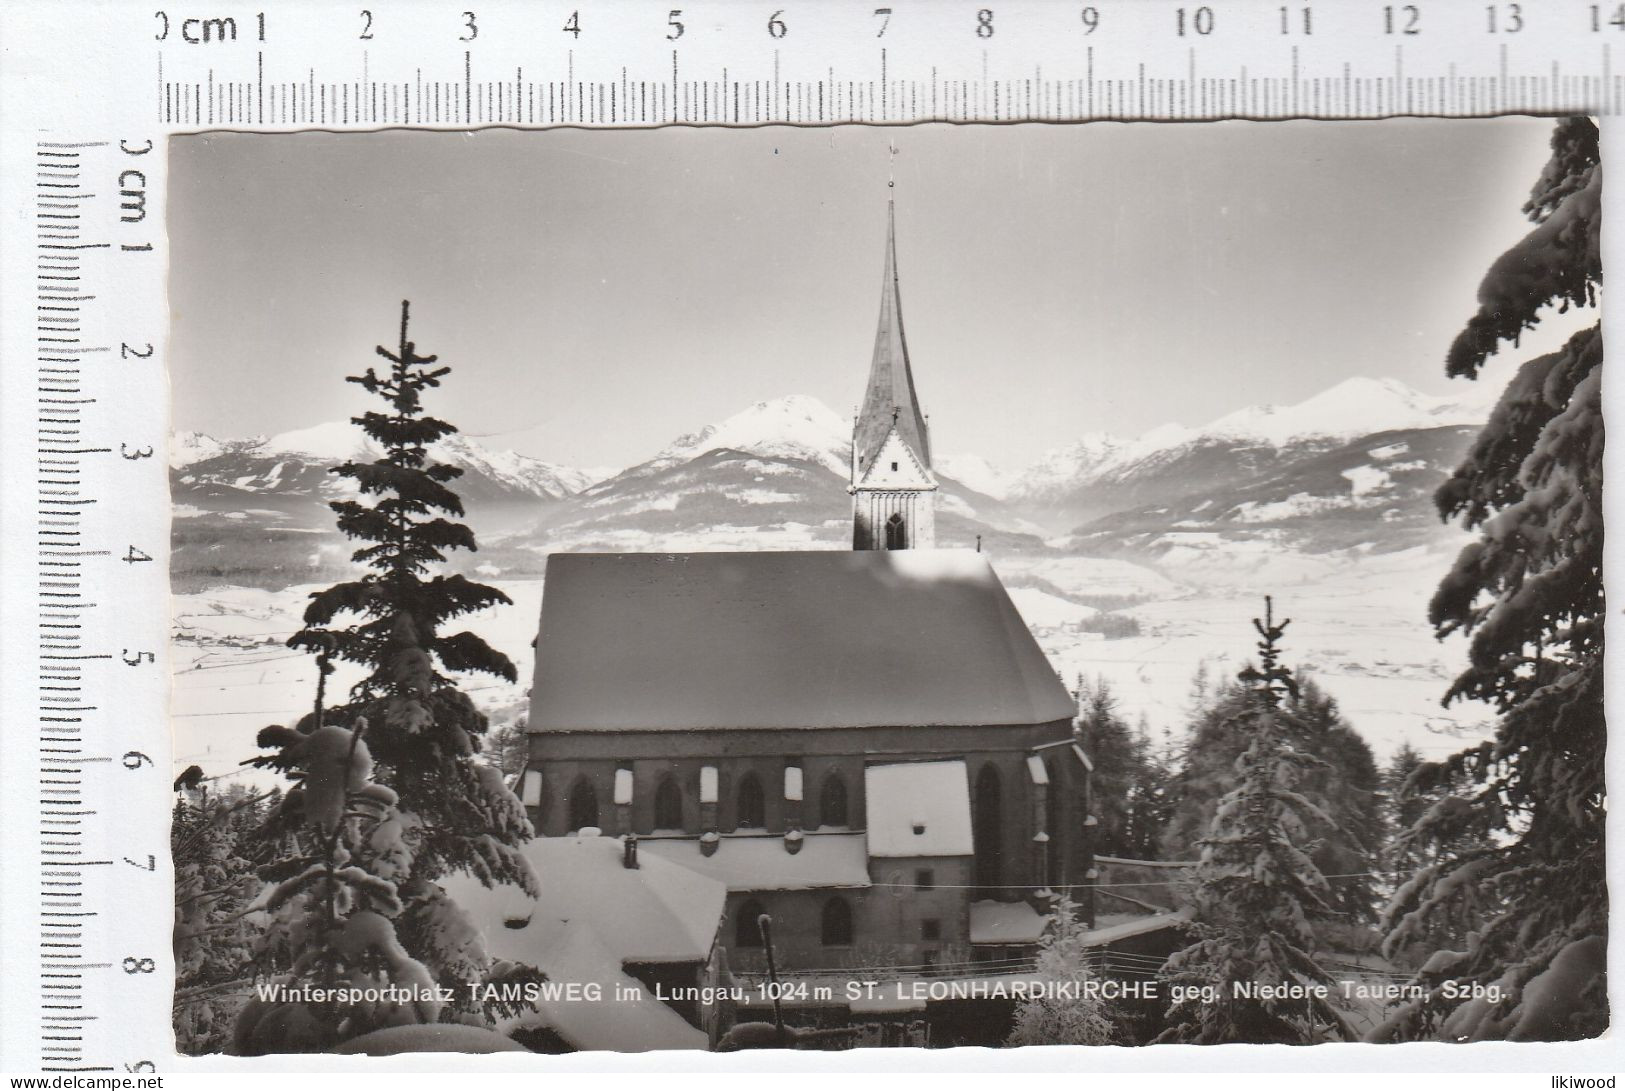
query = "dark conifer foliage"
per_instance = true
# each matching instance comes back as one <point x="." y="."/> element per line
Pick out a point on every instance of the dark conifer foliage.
<point x="1256" y="886"/>
<point x="1529" y="592"/>
<point x="425" y="730"/>
<point x="1129" y="783"/>
<point x="1343" y="781"/>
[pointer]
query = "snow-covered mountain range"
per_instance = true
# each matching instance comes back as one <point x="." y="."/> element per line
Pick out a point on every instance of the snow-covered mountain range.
<point x="773" y="475"/>
<point x="1354" y="466"/>
<point x="1102" y="473"/>
<point x="295" y="464"/>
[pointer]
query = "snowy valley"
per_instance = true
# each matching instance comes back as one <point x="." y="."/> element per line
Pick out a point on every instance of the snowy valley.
<point x="1139" y="560"/>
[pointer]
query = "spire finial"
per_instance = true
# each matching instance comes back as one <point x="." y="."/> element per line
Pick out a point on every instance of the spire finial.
<point x="891" y="164"/>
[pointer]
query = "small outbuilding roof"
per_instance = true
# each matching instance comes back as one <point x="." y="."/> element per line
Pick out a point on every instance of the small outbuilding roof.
<point x="825" y="861"/>
<point x="1139" y="926"/>
<point x="593" y="917"/>
<point x="1005" y="923"/>
<point x="918" y="809"/>
<point x="812" y="639"/>
<point x="655" y="912"/>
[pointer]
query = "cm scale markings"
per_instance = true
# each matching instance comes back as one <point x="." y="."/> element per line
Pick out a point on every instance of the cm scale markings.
<point x="64" y="605"/>
<point x="726" y="100"/>
<point x="746" y="63"/>
<point x="60" y="356"/>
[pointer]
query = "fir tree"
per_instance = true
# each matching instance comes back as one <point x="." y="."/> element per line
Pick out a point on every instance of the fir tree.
<point x="508" y="747"/>
<point x="427" y="730"/>
<point x="1455" y="826"/>
<point x="210" y="841"/>
<point x="1343" y="781"/>
<point x="335" y="905"/>
<point x="1150" y="803"/>
<point x="1347" y="785"/>
<point x="1256" y="885"/>
<point x="1110" y="745"/>
<point x="454" y="812"/>
<point x="1529" y="593"/>
<point x="1049" y="1020"/>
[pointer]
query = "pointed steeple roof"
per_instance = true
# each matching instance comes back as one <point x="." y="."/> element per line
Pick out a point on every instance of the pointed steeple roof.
<point x="890" y="398"/>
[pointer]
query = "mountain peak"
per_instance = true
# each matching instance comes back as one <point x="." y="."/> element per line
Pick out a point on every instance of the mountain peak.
<point x="1357" y="406"/>
<point x="334" y="440"/>
<point x="795" y="426"/>
<point x="186" y="448"/>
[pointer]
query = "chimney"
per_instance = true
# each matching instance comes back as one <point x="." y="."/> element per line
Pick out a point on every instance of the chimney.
<point x="629" y="853"/>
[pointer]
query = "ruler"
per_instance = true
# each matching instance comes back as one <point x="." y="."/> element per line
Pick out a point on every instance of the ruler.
<point x="752" y="63"/>
<point x="91" y="91"/>
<point x="85" y="528"/>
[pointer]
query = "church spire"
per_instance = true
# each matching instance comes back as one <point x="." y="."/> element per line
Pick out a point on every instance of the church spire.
<point x="893" y="488"/>
<point x="890" y="399"/>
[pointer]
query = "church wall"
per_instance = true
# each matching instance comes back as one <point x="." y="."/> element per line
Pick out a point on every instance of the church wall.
<point x="564" y="757"/>
<point x="557" y="783"/>
<point x="871" y="509"/>
<point x="888" y="921"/>
<point x="898" y="914"/>
<point x="1026" y="810"/>
<point x="815" y="770"/>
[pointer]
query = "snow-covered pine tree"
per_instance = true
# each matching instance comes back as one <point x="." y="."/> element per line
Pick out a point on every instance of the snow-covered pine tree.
<point x="1061" y="1020"/>
<point x="455" y="812"/>
<point x="334" y="905"/>
<point x="1255" y="885"/>
<point x="1348" y="786"/>
<point x="1455" y="827"/>
<point x="209" y="837"/>
<point x="1344" y="782"/>
<point x="1529" y="592"/>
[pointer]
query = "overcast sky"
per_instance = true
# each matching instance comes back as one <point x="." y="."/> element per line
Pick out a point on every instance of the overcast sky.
<point x="598" y="293"/>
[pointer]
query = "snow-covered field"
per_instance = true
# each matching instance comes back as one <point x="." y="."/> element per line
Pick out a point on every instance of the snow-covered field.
<point x="1359" y="627"/>
<point x="232" y="674"/>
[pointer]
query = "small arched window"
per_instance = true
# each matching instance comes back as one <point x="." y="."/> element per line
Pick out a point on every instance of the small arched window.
<point x="668" y="804"/>
<point x="583" y="804"/>
<point x="896" y="532"/>
<point x="832" y="810"/>
<point x="752" y="804"/>
<point x="836" y="924"/>
<point x="747" y="927"/>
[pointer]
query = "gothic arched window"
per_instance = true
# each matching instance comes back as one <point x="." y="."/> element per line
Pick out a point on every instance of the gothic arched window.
<point x="896" y="532"/>
<point x="583" y="804"/>
<point x="752" y="804"/>
<point x="747" y="929"/>
<point x="835" y="926"/>
<point x="832" y="810"/>
<point x="668" y="804"/>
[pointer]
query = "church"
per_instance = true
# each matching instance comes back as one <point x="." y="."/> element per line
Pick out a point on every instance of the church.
<point x="867" y="746"/>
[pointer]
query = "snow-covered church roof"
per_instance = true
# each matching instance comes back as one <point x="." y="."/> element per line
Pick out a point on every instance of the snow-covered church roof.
<point x="662" y="641"/>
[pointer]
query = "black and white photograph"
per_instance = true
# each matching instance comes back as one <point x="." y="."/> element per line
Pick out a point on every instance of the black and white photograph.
<point x="851" y="587"/>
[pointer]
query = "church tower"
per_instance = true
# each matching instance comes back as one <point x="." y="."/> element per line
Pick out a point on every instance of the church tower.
<point x="893" y="489"/>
